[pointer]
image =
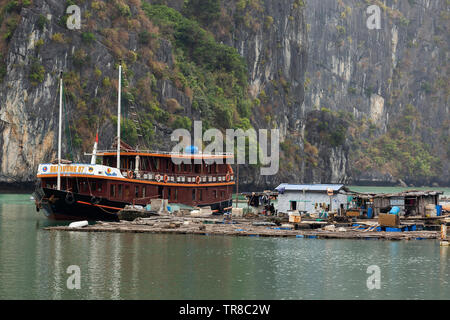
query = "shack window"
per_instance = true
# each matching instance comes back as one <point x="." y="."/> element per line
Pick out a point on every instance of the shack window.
<point x="293" y="205"/>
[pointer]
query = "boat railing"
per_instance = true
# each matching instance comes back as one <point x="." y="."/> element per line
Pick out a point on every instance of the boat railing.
<point x="190" y="177"/>
<point x="100" y="152"/>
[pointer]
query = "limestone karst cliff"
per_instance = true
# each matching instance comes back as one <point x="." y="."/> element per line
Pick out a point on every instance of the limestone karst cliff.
<point x="352" y="104"/>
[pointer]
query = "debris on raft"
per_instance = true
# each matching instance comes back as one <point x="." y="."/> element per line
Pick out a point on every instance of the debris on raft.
<point x="130" y="213"/>
<point x="215" y="225"/>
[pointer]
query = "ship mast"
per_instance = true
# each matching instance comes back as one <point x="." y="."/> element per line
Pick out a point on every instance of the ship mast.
<point x="60" y="130"/>
<point x="118" y="115"/>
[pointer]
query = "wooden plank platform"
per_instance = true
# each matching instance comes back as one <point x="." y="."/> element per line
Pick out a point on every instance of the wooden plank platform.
<point x="201" y="226"/>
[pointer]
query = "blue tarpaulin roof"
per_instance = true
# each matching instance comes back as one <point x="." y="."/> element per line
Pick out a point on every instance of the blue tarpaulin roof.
<point x="309" y="187"/>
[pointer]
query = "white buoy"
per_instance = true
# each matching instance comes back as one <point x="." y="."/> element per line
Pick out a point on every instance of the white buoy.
<point x="79" y="224"/>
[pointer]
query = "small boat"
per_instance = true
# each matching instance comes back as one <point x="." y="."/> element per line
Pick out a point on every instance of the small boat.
<point x="125" y="176"/>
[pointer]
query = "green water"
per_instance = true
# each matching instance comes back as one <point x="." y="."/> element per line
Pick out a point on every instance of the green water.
<point x="33" y="264"/>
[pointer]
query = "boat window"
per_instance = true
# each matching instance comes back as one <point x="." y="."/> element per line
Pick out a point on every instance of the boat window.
<point x="127" y="192"/>
<point x="222" y="194"/>
<point x="197" y="168"/>
<point x="193" y="194"/>
<point x="176" y="194"/>
<point x="168" y="193"/>
<point x="136" y="192"/>
<point x="215" y="194"/>
<point x="99" y="186"/>
<point x="143" y="191"/>
<point x="120" y="192"/>
<point x="200" y="194"/>
<point x="113" y="190"/>
<point x="94" y="186"/>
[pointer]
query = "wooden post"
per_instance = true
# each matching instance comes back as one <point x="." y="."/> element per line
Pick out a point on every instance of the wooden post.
<point x="237" y="184"/>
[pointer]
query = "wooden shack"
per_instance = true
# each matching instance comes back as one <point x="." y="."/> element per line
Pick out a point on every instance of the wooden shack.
<point x="411" y="202"/>
<point x="261" y="202"/>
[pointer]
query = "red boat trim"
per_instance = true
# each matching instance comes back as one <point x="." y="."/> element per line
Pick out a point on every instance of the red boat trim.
<point x="137" y="181"/>
<point x="99" y="205"/>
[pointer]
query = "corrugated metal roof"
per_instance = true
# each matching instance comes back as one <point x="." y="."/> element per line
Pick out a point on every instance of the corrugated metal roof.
<point x="309" y="187"/>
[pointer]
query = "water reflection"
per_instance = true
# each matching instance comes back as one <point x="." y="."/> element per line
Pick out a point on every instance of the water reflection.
<point x="33" y="264"/>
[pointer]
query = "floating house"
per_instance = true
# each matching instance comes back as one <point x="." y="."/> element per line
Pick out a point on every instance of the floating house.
<point x="310" y="198"/>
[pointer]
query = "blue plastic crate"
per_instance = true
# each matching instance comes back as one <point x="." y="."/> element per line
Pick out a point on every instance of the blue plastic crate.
<point x="391" y="229"/>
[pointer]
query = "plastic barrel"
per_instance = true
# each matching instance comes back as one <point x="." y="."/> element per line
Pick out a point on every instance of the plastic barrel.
<point x="438" y="210"/>
<point x="369" y="213"/>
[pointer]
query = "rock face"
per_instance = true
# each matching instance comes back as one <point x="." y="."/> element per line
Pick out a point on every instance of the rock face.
<point x="375" y="74"/>
<point x="315" y="71"/>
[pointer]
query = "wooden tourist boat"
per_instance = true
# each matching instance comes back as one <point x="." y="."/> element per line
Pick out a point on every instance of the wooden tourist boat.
<point x="93" y="191"/>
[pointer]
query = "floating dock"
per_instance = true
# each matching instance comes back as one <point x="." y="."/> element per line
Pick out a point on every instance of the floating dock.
<point x="250" y="228"/>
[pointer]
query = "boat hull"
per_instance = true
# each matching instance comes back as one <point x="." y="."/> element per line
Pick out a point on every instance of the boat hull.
<point x="64" y="205"/>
